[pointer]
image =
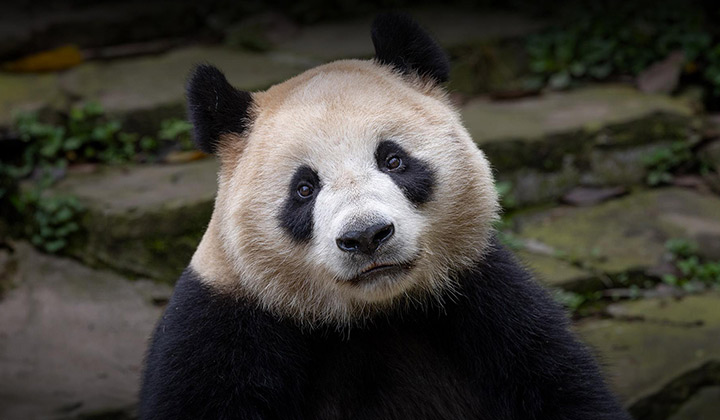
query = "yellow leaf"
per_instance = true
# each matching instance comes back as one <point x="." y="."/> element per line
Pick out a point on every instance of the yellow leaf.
<point x="60" y="58"/>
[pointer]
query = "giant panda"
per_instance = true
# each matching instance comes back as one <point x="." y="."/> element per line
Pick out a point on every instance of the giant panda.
<point x="350" y="269"/>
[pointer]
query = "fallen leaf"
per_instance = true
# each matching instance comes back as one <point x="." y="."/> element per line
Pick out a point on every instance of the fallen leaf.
<point x="60" y="58"/>
<point x="184" y="156"/>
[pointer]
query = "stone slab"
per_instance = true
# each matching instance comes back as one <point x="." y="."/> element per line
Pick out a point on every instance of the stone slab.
<point x="595" y="136"/>
<point x="23" y="93"/>
<point x="705" y="405"/>
<point x="147" y="86"/>
<point x="588" y="109"/>
<point x="647" y="345"/>
<point x="351" y="39"/>
<point x="556" y="273"/>
<point x="623" y="235"/>
<point x="72" y="339"/>
<point x="144" y="220"/>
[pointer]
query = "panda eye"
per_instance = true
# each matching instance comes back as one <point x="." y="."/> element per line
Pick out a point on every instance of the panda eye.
<point x="393" y="163"/>
<point x="305" y="190"/>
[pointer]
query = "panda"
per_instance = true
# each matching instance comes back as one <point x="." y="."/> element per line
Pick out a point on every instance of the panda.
<point x="350" y="269"/>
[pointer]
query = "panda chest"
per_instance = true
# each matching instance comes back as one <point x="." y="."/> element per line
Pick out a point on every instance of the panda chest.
<point x="389" y="375"/>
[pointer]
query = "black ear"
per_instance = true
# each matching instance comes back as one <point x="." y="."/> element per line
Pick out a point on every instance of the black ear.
<point x="215" y="107"/>
<point x="399" y="41"/>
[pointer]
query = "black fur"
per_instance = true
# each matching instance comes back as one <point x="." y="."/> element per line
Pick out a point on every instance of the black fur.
<point x="215" y="107"/>
<point x="400" y="42"/>
<point x="500" y="351"/>
<point x="414" y="177"/>
<point x="297" y="212"/>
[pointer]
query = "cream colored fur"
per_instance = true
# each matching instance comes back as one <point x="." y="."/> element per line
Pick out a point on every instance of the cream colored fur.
<point x="332" y="118"/>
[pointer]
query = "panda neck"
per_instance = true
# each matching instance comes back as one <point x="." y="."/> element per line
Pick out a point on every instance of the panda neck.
<point x="210" y="260"/>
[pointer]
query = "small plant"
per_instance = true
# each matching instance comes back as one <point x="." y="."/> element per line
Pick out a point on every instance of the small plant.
<point x="504" y="191"/>
<point x="177" y="130"/>
<point x="50" y="221"/>
<point x="85" y="134"/>
<point x="663" y="162"/>
<point x="577" y="303"/>
<point x="681" y="248"/>
<point x="599" y="41"/>
<point x="691" y="268"/>
<point x="571" y="300"/>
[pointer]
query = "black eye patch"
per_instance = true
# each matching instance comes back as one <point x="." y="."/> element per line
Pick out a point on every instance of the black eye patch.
<point x="414" y="177"/>
<point x="296" y="216"/>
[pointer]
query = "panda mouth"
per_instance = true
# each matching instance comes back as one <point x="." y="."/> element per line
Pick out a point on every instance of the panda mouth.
<point x="382" y="269"/>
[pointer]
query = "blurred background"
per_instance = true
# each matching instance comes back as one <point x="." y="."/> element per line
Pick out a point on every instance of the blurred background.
<point x="601" y="119"/>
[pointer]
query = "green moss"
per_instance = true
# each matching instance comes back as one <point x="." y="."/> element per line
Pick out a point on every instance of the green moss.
<point x="548" y="155"/>
<point x="533" y="186"/>
<point x="628" y="233"/>
<point x="156" y="244"/>
<point x="685" y="330"/>
<point x="28" y="93"/>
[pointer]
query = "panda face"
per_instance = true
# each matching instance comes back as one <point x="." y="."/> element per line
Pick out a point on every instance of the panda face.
<point x="353" y="190"/>
<point x="362" y="217"/>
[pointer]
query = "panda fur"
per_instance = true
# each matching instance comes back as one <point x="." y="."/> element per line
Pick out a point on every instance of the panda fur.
<point x="382" y="293"/>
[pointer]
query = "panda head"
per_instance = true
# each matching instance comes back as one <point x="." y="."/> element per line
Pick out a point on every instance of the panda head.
<point x="345" y="191"/>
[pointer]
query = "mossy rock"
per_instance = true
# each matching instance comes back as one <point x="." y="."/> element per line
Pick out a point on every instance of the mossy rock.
<point x="148" y="89"/>
<point x="143" y="220"/>
<point x="22" y="93"/>
<point x="658" y="352"/>
<point x="73" y="339"/>
<point x="710" y="155"/>
<point x="590" y="109"/>
<point x="451" y="27"/>
<point x="592" y="136"/>
<point x="531" y="186"/>
<point x="627" y="234"/>
<point x="705" y="405"/>
<point x="555" y="272"/>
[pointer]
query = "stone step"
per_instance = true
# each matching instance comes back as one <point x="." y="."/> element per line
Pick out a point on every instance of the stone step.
<point x="144" y="220"/>
<point x="140" y="91"/>
<point x="144" y="90"/>
<point x="26" y="93"/>
<point x="72" y="339"/>
<point x="593" y="136"/>
<point x="659" y="352"/>
<point x="705" y="405"/>
<point x="452" y="28"/>
<point x="584" y="248"/>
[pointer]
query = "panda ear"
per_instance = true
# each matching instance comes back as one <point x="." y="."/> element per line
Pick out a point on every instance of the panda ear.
<point x="400" y="42"/>
<point x="215" y="107"/>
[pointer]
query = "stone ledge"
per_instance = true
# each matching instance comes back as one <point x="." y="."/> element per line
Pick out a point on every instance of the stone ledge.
<point x="143" y="220"/>
<point x="625" y="236"/>
<point x="142" y="91"/>
<point x="73" y="339"/>
<point x="592" y="136"/>
<point x="647" y="346"/>
<point x="351" y="39"/>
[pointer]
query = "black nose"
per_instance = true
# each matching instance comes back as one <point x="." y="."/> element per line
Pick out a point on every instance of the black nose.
<point x="366" y="241"/>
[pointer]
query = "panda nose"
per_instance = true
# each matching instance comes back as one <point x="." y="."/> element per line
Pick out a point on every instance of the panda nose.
<point x="366" y="241"/>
